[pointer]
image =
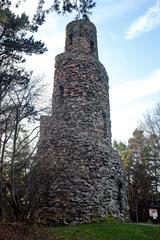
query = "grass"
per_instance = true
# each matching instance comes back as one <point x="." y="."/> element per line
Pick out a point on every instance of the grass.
<point x="107" y="231"/>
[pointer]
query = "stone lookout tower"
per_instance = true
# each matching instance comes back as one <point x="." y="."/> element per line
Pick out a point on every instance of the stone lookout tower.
<point x="78" y="176"/>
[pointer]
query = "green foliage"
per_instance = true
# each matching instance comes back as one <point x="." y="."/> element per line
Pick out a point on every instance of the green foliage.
<point x="141" y="158"/>
<point x="14" y="37"/>
<point x="110" y="219"/>
<point x="124" y="152"/>
<point x="16" y="40"/>
<point x="81" y="7"/>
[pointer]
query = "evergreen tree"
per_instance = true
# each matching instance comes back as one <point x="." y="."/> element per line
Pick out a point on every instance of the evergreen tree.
<point x="81" y="7"/>
<point x="151" y="128"/>
<point x="136" y="157"/>
<point x="15" y="41"/>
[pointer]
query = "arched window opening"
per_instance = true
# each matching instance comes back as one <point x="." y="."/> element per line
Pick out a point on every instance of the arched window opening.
<point x="92" y="46"/>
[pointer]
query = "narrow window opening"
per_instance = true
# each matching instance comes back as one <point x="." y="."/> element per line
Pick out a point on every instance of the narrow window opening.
<point x="71" y="39"/>
<point x="92" y="46"/>
<point x="104" y="115"/>
<point x="61" y="90"/>
<point x="119" y="198"/>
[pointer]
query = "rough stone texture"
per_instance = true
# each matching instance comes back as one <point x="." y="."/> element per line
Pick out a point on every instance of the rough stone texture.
<point x="79" y="177"/>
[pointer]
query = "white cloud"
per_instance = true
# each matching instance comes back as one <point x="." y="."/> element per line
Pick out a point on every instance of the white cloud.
<point x="134" y="90"/>
<point x="126" y="119"/>
<point x="146" y="23"/>
<point x="129" y="101"/>
<point x="108" y="9"/>
<point x="44" y="64"/>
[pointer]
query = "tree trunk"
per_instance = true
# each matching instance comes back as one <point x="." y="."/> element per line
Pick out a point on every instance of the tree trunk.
<point x="1" y="164"/>
<point x="13" y="190"/>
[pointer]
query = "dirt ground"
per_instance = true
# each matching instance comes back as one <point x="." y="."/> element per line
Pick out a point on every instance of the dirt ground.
<point x="24" y="232"/>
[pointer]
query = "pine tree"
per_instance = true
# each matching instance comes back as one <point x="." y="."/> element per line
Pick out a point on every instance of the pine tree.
<point x="81" y="7"/>
<point x="136" y="157"/>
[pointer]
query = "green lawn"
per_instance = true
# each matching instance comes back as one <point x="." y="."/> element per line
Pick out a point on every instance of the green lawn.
<point x="108" y="231"/>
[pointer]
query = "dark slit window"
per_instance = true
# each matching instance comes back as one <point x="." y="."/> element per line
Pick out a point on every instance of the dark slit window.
<point x="92" y="46"/>
<point x="70" y="39"/>
<point x="61" y="90"/>
<point x="104" y="115"/>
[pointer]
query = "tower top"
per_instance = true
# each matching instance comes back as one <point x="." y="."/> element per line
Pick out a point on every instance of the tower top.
<point x="81" y="36"/>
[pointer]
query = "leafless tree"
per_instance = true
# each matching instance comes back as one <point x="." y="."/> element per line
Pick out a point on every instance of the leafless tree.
<point x="151" y="127"/>
<point x="21" y="107"/>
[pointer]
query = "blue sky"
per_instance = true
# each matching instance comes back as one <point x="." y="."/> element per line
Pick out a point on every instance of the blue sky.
<point x="129" y="48"/>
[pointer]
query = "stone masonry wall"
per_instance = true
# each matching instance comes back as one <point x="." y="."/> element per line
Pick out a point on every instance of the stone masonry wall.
<point x="78" y="177"/>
